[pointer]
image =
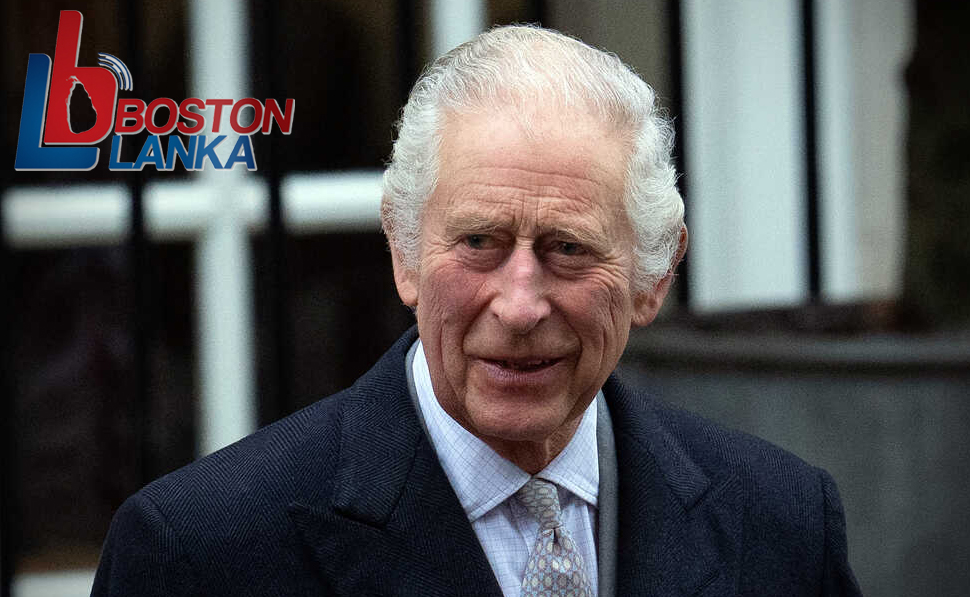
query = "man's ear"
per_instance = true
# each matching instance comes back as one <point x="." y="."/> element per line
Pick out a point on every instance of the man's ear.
<point x="647" y="304"/>
<point x="405" y="279"/>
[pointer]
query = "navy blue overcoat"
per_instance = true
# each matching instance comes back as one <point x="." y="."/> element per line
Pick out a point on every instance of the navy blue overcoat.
<point x="347" y="497"/>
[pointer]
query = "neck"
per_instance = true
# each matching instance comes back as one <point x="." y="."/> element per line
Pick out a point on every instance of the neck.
<point x="533" y="456"/>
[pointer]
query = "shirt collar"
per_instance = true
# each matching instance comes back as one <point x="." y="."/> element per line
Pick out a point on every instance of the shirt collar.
<point x="480" y="477"/>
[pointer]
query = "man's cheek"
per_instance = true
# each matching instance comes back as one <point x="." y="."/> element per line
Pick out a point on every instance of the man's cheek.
<point x="459" y="287"/>
<point x="596" y="305"/>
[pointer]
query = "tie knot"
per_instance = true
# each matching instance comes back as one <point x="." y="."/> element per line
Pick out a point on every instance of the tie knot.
<point x="541" y="499"/>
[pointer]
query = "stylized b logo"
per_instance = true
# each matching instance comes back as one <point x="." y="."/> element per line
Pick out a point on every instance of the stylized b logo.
<point x="98" y="82"/>
<point x="101" y="87"/>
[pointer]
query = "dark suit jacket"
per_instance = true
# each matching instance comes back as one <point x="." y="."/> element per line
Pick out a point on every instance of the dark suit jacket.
<point x="347" y="497"/>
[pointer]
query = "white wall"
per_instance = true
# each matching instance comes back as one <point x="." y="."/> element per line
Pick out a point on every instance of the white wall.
<point x="744" y="122"/>
<point x="743" y="115"/>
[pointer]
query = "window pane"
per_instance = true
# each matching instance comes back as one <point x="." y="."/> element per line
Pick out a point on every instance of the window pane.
<point x="342" y="313"/>
<point x="76" y="405"/>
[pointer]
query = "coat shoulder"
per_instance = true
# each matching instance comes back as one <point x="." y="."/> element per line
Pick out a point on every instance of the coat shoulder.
<point x="784" y="513"/>
<point x="716" y="448"/>
<point x="201" y="529"/>
<point x="291" y="458"/>
<point x="224" y="525"/>
<point x="773" y="480"/>
<point x="276" y="458"/>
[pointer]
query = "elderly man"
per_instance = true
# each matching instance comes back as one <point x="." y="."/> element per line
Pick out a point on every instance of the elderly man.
<point x="533" y="219"/>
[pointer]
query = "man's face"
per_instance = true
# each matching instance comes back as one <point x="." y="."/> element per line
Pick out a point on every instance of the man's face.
<point x="523" y="296"/>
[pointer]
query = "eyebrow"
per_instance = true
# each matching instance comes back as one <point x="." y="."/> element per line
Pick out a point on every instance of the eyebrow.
<point x="470" y="222"/>
<point x="582" y="236"/>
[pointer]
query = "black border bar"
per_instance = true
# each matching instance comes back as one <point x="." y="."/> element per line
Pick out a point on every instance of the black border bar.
<point x="813" y="245"/>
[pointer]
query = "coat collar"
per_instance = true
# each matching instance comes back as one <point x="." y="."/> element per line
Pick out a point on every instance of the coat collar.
<point x="680" y="526"/>
<point x="393" y="525"/>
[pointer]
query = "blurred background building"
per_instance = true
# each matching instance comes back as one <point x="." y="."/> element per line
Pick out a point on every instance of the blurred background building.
<point x="150" y="318"/>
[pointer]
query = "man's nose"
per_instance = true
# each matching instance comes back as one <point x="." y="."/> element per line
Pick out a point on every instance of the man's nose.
<point x="521" y="300"/>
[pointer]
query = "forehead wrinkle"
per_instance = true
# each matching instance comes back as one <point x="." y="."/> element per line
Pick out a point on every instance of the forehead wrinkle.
<point x="585" y="218"/>
<point x="534" y="180"/>
<point x="481" y="197"/>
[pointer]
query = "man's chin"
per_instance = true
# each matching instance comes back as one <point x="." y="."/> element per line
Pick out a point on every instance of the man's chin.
<point x="518" y="425"/>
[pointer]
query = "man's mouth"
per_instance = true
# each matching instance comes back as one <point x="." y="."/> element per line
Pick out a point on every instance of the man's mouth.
<point x="524" y="364"/>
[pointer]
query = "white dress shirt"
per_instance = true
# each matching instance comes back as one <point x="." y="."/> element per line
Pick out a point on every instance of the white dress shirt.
<point x="486" y="483"/>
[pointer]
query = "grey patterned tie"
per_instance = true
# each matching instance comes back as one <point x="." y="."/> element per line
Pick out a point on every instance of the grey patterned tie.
<point x="555" y="567"/>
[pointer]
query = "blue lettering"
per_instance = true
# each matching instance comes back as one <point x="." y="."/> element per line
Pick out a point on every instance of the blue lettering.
<point x="203" y="151"/>
<point x="176" y="149"/>
<point x="115" y="163"/>
<point x="151" y="151"/>
<point x="243" y="146"/>
<point x="31" y="154"/>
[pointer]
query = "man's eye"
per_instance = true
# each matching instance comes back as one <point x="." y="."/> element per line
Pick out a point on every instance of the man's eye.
<point x="478" y="241"/>
<point x="570" y="249"/>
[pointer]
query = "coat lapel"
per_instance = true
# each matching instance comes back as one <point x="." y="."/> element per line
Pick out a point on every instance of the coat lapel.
<point x="679" y="527"/>
<point x="385" y="520"/>
<point x="392" y="524"/>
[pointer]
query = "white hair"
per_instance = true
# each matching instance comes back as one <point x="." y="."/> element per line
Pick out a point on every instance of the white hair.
<point x="519" y="65"/>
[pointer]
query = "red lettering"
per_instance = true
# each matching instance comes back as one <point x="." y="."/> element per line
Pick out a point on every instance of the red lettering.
<point x="257" y="116"/>
<point x="217" y="117"/>
<point x="98" y="82"/>
<point x="130" y="110"/>
<point x="173" y="116"/>
<point x="190" y="116"/>
<point x="284" y="120"/>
